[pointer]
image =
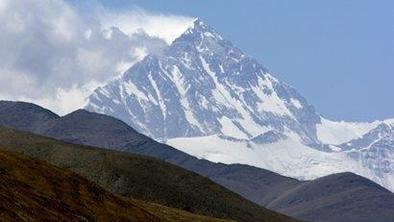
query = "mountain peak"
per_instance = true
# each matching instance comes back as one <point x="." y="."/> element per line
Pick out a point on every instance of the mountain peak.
<point x="204" y="85"/>
<point x="200" y="25"/>
<point x="198" y="32"/>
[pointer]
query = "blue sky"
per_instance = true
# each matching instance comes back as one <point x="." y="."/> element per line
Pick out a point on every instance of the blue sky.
<point x="339" y="54"/>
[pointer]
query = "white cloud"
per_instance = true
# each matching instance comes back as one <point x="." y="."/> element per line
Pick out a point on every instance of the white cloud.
<point x="167" y="27"/>
<point x="54" y="55"/>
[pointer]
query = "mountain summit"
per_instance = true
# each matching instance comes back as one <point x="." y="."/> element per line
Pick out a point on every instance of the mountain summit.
<point x="202" y="86"/>
<point x="209" y="99"/>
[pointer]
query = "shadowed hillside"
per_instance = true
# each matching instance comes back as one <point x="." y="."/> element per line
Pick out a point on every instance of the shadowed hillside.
<point x="258" y="185"/>
<point x="93" y="129"/>
<point x="140" y="177"/>
<point x="339" y="197"/>
<point x="32" y="190"/>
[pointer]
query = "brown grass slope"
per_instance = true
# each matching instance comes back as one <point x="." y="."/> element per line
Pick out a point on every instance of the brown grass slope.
<point x="32" y="190"/>
<point x="141" y="177"/>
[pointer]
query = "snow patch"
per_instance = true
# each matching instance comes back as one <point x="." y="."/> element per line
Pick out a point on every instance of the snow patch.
<point x="296" y="103"/>
<point x="132" y="89"/>
<point x="270" y="102"/>
<point x="287" y="157"/>
<point x="230" y="129"/>
<point x="335" y="133"/>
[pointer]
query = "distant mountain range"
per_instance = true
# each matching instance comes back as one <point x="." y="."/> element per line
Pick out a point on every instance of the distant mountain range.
<point x="339" y="197"/>
<point x="206" y="97"/>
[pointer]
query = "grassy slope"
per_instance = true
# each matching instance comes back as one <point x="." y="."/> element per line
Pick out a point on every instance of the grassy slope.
<point x="32" y="190"/>
<point x="140" y="177"/>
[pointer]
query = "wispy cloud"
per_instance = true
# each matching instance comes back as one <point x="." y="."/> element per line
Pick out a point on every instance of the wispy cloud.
<point x="54" y="54"/>
<point x="163" y="26"/>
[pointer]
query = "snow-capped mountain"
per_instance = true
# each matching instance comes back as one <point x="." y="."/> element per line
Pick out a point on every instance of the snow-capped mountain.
<point x="203" y="85"/>
<point x="206" y="97"/>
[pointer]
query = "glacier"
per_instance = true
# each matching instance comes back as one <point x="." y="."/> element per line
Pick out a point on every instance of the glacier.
<point x="206" y="97"/>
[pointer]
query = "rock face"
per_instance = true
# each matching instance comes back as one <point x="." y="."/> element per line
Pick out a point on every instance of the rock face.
<point x="206" y="97"/>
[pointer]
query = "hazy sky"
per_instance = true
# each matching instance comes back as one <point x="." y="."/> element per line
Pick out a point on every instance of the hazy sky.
<point x="339" y="54"/>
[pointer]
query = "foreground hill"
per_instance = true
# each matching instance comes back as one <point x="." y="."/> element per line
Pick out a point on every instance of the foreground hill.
<point x="258" y="185"/>
<point x="93" y="129"/>
<point x="32" y="190"/>
<point x="140" y="177"/>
